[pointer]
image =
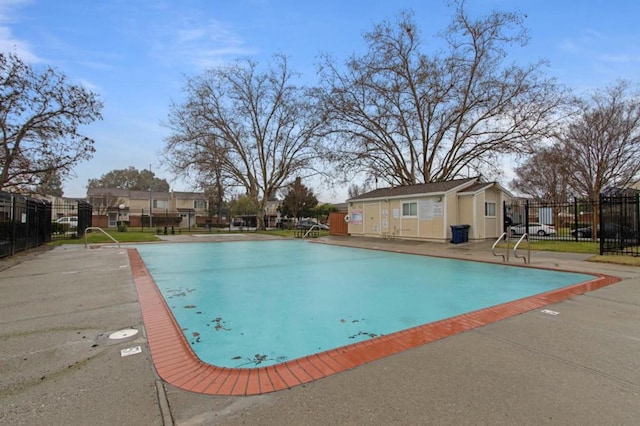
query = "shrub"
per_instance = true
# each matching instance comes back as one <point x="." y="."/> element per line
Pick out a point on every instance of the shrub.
<point x="59" y="228"/>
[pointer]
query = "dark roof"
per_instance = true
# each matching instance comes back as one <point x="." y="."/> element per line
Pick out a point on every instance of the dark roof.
<point x="478" y="186"/>
<point x="144" y="195"/>
<point x="115" y="192"/>
<point x="189" y="195"/>
<point x="421" y="188"/>
<point x="612" y="191"/>
<point x="126" y="193"/>
<point x="342" y="207"/>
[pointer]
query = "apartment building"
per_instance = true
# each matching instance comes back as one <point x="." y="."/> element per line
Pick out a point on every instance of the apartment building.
<point x="150" y="208"/>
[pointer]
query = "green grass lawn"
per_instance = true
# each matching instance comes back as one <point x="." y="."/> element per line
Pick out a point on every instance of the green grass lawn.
<point x="150" y="235"/>
<point x="564" y="246"/>
<point x="587" y="247"/>
<point x="97" y="237"/>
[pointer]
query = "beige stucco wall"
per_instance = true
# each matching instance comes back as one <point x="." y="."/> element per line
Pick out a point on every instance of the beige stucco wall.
<point x="453" y="210"/>
<point x="372" y="218"/>
<point x="472" y="213"/>
<point x="467" y="207"/>
<point x="383" y="218"/>
<point x="492" y="223"/>
<point x="139" y="204"/>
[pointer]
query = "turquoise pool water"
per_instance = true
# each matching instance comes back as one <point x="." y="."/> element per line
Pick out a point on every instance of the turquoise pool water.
<point x="248" y="304"/>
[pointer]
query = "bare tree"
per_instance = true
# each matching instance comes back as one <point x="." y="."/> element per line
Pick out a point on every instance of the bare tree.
<point x="201" y="161"/>
<point x="51" y="184"/>
<point x="408" y="117"/>
<point x="544" y="175"/>
<point x="103" y="200"/>
<point x="257" y="129"/>
<point x="354" y="189"/>
<point x="40" y="117"/>
<point x="214" y="190"/>
<point x="602" y="146"/>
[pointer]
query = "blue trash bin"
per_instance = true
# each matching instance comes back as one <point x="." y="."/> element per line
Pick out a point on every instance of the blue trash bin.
<point x="465" y="233"/>
<point x="457" y="234"/>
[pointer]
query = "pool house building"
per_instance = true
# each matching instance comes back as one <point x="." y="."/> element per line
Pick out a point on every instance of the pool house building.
<point x="432" y="211"/>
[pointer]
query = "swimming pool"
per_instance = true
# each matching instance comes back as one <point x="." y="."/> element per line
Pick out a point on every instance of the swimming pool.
<point x="250" y="304"/>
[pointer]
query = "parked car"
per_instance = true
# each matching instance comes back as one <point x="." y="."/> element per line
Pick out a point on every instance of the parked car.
<point x="611" y="230"/>
<point x="70" y="221"/>
<point x="285" y="223"/>
<point x="584" y="232"/>
<point x="308" y="224"/>
<point x="535" y="228"/>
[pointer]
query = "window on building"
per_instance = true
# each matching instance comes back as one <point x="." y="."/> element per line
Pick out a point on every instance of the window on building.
<point x="199" y="204"/>
<point x="410" y="209"/>
<point x="160" y="204"/>
<point x="490" y="209"/>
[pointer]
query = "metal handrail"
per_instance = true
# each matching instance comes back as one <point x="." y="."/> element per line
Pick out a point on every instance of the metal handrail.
<point x="311" y="229"/>
<point x="527" y="258"/>
<point x="493" y="247"/>
<point x="101" y="230"/>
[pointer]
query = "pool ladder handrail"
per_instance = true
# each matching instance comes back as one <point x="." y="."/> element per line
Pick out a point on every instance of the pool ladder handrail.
<point x="504" y="236"/>
<point x="98" y="229"/>
<point x="527" y="257"/>
<point x="311" y="229"/>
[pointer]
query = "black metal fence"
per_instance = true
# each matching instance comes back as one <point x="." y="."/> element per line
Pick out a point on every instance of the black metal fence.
<point x="618" y="229"/>
<point x="615" y="220"/>
<point x="69" y="218"/>
<point x="27" y="222"/>
<point x="24" y="223"/>
<point x="569" y="220"/>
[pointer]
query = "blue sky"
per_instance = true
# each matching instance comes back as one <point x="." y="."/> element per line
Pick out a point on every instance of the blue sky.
<point x="135" y="54"/>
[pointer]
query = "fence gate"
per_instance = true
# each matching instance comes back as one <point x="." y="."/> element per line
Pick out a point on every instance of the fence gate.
<point x="69" y="218"/>
<point x="619" y="230"/>
<point x="337" y="224"/>
<point x="24" y="223"/>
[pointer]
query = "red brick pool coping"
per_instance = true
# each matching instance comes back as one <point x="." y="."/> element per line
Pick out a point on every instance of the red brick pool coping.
<point x="178" y="365"/>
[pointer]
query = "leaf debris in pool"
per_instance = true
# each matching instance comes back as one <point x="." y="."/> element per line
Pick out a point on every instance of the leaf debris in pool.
<point x="218" y="321"/>
<point x="363" y="333"/>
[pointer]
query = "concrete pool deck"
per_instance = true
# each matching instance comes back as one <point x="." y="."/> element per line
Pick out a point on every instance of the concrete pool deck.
<point x="59" y="366"/>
